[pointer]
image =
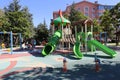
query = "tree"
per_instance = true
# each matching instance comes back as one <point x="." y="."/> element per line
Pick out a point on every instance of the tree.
<point x="97" y="27"/>
<point x="1" y="12"/>
<point x="30" y="28"/>
<point x="75" y="16"/>
<point x="115" y="14"/>
<point x="106" y="23"/>
<point x="1" y="17"/>
<point x="3" y="21"/>
<point x="20" y="20"/>
<point x="41" y="32"/>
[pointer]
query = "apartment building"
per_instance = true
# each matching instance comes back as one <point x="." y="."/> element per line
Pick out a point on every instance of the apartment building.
<point x="89" y="9"/>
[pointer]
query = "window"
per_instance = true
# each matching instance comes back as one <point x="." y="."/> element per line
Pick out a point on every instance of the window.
<point x="57" y="15"/>
<point x="86" y="9"/>
<point x="93" y="9"/>
<point x="99" y="14"/>
<point x="78" y="9"/>
<point x="100" y="7"/>
<point x="86" y="14"/>
<point x="108" y="7"/>
<point x="93" y="15"/>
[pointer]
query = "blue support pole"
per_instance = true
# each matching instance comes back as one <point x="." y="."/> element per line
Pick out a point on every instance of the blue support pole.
<point x="11" y="42"/>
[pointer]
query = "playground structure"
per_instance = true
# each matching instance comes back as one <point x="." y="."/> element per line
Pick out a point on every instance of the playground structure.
<point x="84" y="38"/>
<point x="11" y="40"/>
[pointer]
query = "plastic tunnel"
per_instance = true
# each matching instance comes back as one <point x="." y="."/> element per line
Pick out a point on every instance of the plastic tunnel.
<point x="50" y="46"/>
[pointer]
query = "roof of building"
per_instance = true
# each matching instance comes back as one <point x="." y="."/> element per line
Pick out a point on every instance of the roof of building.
<point x="84" y="1"/>
<point x="93" y="3"/>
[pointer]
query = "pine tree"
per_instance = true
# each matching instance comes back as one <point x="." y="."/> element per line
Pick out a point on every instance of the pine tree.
<point x="20" y="20"/>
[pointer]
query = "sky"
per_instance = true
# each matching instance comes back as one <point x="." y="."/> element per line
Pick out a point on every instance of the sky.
<point x="43" y="9"/>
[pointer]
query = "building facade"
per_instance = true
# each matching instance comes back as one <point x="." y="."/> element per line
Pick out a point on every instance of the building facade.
<point x="89" y="9"/>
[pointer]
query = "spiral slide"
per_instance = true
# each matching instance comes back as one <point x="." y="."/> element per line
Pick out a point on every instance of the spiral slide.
<point x="52" y="43"/>
<point x="76" y="50"/>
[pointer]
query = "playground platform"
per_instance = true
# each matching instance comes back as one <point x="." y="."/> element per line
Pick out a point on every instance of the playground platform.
<point x="31" y="65"/>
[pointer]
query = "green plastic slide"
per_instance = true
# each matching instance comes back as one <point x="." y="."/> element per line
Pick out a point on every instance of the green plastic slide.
<point x="76" y="50"/>
<point x="102" y="47"/>
<point x="50" y="46"/>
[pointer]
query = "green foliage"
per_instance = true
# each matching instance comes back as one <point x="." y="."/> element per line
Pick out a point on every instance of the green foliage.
<point x="66" y="16"/>
<point x="106" y="23"/>
<point x="20" y="20"/>
<point x="1" y="12"/>
<point x="14" y="6"/>
<point x="115" y="14"/>
<point x="110" y="20"/>
<point x="75" y="16"/>
<point x="41" y="32"/>
<point x="97" y="27"/>
<point x="28" y="16"/>
<point x="3" y="21"/>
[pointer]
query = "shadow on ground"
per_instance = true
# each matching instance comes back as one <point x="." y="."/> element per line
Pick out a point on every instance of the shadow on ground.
<point x="99" y="56"/>
<point x="116" y="48"/>
<point x="79" y="72"/>
<point x="73" y="57"/>
<point x="35" y="52"/>
<point x="69" y="56"/>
